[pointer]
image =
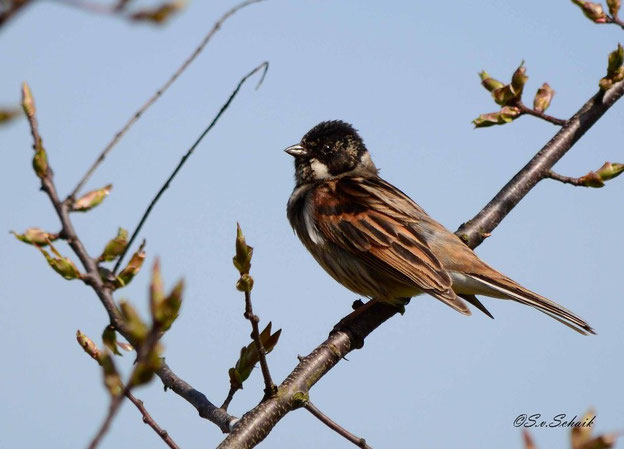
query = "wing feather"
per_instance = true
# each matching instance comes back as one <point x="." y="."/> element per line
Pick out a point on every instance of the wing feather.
<point x="371" y="219"/>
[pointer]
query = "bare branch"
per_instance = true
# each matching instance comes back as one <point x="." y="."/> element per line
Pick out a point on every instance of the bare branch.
<point x="264" y="66"/>
<point x="204" y="407"/>
<point x="359" y="442"/>
<point x="147" y="419"/>
<point x="269" y="386"/>
<point x="293" y="392"/>
<point x="565" y="179"/>
<point x="524" y="109"/>
<point x="158" y="94"/>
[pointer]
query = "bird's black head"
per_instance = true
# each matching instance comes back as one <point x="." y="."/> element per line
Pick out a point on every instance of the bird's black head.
<point x="328" y="150"/>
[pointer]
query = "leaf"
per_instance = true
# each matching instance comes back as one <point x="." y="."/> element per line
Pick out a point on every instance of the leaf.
<point x="115" y="247"/>
<point x="88" y="345"/>
<point x="9" y="114"/>
<point x="91" y="199"/>
<point x="158" y="15"/>
<point x="133" y="267"/>
<point x="62" y="265"/>
<point x="249" y="357"/>
<point x="244" y="253"/>
<point x="109" y="337"/>
<point x="36" y="236"/>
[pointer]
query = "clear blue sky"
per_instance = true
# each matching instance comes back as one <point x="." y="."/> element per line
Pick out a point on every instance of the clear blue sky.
<point x="405" y="74"/>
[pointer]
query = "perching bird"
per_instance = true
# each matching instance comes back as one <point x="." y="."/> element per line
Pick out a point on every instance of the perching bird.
<point x="373" y="239"/>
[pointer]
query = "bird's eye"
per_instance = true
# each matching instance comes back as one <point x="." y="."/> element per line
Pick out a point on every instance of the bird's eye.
<point x="326" y="149"/>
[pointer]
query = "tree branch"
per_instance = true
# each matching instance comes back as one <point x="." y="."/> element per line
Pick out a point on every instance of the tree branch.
<point x="293" y="393"/>
<point x="615" y="20"/>
<point x="565" y="179"/>
<point x="158" y="94"/>
<point x="143" y="351"/>
<point x="524" y="109"/>
<point x="359" y="442"/>
<point x="269" y="386"/>
<point x="473" y="232"/>
<point x="147" y="419"/>
<point x="92" y="278"/>
<point x="265" y="66"/>
<point x="12" y="9"/>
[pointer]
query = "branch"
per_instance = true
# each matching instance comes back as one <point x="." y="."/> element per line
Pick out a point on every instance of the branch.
<point x="147" y="419"/>
<point x="92" y="278"/>
<point x="565" y="179"/>
<point x="196" y="398"/>
<point x="293" y="393"/>
<point x="158" y="94"/>
<point x="359" y="442"/>
<point x="265" y="66"/>
<point x="144" y="351"/>
<point x="524" y="109"/>
<point x="474" y="231"/>
<point x="14" y="7"/>
<point x="269" y="386"/>
<point x="616" y="20"/>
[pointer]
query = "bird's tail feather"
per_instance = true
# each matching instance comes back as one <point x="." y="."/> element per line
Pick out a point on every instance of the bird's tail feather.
<point x="511" y="290"/>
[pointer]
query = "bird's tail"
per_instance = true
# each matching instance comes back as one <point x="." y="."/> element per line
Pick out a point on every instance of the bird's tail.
<point x="509" y="289"/>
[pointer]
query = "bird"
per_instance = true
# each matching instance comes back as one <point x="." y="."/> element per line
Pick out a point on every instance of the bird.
<point x="377" y="242"/>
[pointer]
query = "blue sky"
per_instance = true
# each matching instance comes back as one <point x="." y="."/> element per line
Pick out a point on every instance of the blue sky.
<point x="405" y="74"/>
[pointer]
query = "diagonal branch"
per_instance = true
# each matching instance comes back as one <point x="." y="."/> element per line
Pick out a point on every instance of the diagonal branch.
<point x="264" y="66"/>
<point x="12" y="9"/>
<point x="92" y="278"/>
<point x="475" y="231"/>
<point x="158" y="94"/>
<point x="147" y="419"/>
<point x="293" y="392"/>
<point x="269" y="387"/>
<point x="359" y="442"/>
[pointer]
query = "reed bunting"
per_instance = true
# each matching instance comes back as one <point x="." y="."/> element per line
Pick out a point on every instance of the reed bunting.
<point x="373" y="239"/>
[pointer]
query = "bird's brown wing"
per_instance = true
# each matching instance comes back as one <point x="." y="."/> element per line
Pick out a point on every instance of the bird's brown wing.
<point x="372" y="219"/>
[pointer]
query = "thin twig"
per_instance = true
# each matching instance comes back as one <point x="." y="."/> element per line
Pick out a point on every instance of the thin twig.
<point x="158" y="94"/>
<point x="143" y="352"/>
<point x="256" y="424"/>
<point x="205" y="408"/>
<point x="473" y="231"/>
<point x="229" y="398"/>
<point x="564" y="179"/>
<point x="147" y="419"/>
<point x="265" y="66"/>
<point x="616" y="20"/>
<point x="359" y="442"/>
<point x="269" y="387"/>
<point x="549" y="118"/>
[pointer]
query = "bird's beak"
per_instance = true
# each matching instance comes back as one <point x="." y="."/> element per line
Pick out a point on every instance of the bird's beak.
<point x="296" y="150"/>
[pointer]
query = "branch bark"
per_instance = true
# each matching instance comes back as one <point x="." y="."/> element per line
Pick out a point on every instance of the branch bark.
<point x="293" y="393"/>
<point x="147" y="419"/>
<point x="475" y="231"/>
<point x="92" y="278"/>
